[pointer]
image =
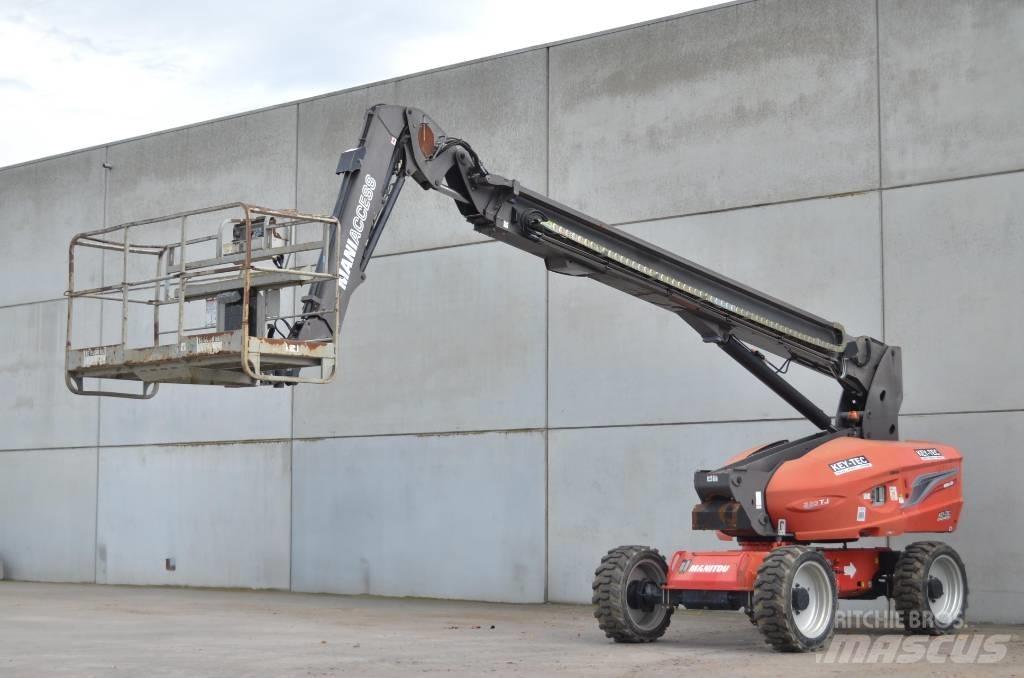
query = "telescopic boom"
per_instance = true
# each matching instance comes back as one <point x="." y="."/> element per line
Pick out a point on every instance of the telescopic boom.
<point x="399" y="142"/>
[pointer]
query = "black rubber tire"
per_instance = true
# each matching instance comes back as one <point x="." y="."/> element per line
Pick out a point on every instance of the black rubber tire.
<point x="610" y="584"/>
<point x="773" y="599"/>
<point x="910" y="592"/>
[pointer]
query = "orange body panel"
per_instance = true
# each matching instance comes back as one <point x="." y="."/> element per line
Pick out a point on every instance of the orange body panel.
<point x="714" y="570"/>
<point x="737" y="570"/>
<point x="849" y="488"/>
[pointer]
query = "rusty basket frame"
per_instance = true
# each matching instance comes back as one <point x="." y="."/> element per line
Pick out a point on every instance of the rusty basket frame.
<point x="197" y="356"/>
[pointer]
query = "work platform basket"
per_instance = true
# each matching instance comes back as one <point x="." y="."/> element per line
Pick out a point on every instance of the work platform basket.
<point x="207" y="296"/>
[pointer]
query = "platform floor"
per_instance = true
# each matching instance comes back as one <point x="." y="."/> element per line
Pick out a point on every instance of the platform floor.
<point x="86" y="630"/>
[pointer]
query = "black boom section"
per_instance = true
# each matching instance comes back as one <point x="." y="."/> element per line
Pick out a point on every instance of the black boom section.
<point x="400" y="142"/>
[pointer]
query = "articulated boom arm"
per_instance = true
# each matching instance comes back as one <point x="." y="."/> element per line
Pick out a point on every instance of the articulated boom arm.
<point x="400" y="142"/>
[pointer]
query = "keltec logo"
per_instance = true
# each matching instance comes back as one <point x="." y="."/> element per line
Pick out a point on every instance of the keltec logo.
<point x="707" y="568"/>
<point x="355" y="233"/>
<point x="930" y="453"/>
<point x="848" y="465"/>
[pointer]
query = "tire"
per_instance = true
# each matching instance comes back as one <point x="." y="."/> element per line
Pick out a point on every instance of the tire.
<point x="789" y="621"/>
<point x="619" y="620"/>
<point x="923" y="606"/>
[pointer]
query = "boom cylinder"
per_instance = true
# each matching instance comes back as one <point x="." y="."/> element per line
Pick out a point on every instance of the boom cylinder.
<point x="758" y="366"/>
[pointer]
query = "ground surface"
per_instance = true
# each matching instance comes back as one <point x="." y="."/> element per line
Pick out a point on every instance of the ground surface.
<point x="84" y="630"/>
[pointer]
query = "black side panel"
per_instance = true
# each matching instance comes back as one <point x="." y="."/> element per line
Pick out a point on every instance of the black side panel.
<point x="774" y="455"/>
<point x="710" y="600"/>
<point x="733" y="497"/>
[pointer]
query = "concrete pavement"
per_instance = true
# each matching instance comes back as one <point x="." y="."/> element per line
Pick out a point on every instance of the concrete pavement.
<point x="86" y="630"/>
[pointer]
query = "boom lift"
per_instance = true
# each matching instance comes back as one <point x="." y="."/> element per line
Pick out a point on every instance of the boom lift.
<point x="793" y="507"/>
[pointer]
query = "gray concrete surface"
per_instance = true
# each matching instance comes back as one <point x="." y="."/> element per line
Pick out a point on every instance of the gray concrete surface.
<point x="186" y="503"/>
<point x="35" y="397"/>
<point x="749" y="137"/>
<point x="187" y="415"/>
<point x="651" y="369"/>
<point x="960" y="245"/>
<point x="384" y="514"/>
<point x="250" y="158"/>
<point x="61" y="630"/>
<point x="66" y="194"/>
<point x="51" y="492"/>
<point x="950" y="88"/>
<point x="451" y="340"/>
<point x="757" y="102"/>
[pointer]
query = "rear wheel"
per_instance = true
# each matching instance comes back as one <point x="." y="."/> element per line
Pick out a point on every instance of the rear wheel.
<point x="795" y="599"/>
<point x="627" y="595"/>
<point x="930" y="588"/>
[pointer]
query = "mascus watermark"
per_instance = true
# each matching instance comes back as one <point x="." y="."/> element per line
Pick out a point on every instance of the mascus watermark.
<point x="964" y="648"/>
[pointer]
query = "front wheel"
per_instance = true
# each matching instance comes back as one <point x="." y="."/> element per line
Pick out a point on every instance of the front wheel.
<point x="930" y="588"/>
<point x="795" y="599"/>
<point x="627" y="595"/>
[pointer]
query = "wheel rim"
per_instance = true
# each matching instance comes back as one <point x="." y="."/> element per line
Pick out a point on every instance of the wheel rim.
<point x="946" y="607"/>
<point x="813" y="620"/>
<point x="646" y="570"/>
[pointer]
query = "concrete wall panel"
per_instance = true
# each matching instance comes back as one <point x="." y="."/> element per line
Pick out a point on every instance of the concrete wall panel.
<point x="185" y="414"/>
<point x="993" y="513"/>
<point x="42" y="205"/>
<point x="455" y="516"/>
<point x="221" y="511"/>
<point x="450" y="340"/>
<point x="953" y="287"/>
<point x="745" y="104"/>
<point x="951" y="90"/>
<point x="616" y="360"/>
<point x="249" y="158"/>
<point x="499" y="105"/>
<point x="36" y="408"/>
<point x="48" y="514"/>
<point x="634" y="485"/>
<point x="327" y="126"/>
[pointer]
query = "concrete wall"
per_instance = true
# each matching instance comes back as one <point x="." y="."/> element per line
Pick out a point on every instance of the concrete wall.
<point x="495" y="429"/>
